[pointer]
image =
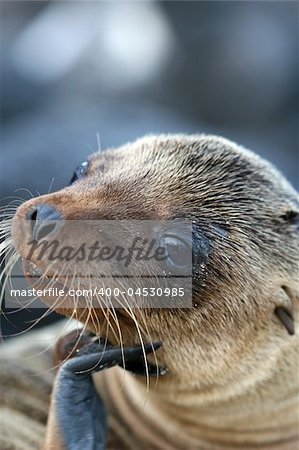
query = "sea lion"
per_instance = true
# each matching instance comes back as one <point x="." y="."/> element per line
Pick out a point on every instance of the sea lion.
<point x="231" y="358"/>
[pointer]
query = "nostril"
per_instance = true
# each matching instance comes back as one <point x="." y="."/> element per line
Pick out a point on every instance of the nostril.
<point x="44" y="221"/>
<point x="32" y="215"/>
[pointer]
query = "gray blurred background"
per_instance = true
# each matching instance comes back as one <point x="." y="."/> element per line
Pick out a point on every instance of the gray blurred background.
<point x="72" y="70"/>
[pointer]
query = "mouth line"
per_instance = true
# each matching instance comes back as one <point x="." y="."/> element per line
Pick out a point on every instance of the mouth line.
<point x="41" y="281"/>
<point x="31" y="270"/>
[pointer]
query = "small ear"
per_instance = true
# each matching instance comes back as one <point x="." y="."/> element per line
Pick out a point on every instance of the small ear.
<point x="286" y="318"/>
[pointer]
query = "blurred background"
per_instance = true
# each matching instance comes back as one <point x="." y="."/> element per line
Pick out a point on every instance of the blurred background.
<point x="72" y="70"/>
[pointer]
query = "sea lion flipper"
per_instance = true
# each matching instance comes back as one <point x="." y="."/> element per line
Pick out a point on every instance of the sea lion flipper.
<point x="80" y="411"/>
<point x="76" y="399"/>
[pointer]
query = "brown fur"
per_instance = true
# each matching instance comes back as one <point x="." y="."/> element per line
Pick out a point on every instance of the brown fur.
<point x="232" y="379"/>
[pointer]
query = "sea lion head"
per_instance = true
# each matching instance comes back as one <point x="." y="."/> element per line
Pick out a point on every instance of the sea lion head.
<point x="245" y="219"/>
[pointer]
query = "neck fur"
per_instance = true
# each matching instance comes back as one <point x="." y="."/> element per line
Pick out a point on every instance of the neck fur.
<point x="263" y="415"/>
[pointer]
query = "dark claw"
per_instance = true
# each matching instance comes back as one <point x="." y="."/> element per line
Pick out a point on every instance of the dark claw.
<point x="139" y="367"/>
<point x="131" y="359"/>
<point x="94" y="362"/>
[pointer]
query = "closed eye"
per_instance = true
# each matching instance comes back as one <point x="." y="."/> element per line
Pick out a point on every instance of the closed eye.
<point x="80" y="172"/>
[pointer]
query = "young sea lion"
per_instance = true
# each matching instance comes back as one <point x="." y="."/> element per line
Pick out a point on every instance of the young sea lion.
<point x="232" y="378"/>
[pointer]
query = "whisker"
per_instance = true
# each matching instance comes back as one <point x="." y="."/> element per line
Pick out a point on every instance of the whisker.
<point x="132" y="315"/>
<point x="99" y="142"/>
<point x="51" y="185"/>
<point x="25" y="190"/>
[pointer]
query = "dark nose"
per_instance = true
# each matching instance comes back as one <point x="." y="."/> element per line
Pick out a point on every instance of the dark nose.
<point x="44" y="221"/>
